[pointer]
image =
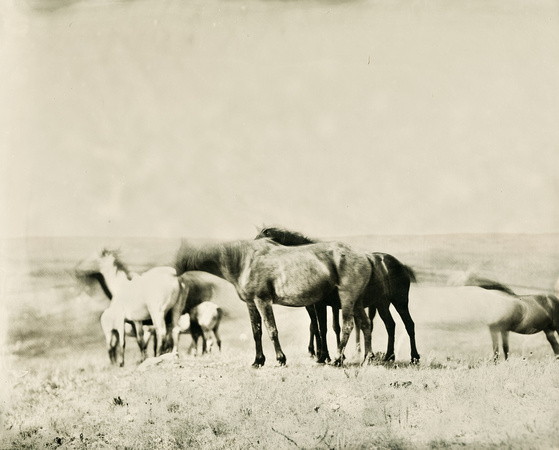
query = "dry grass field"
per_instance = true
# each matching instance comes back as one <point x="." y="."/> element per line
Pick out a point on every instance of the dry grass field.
<point x="59" y="390"/>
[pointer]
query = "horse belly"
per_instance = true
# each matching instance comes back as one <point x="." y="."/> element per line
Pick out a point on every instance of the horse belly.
<point x="290" y="278"/>
<point x="533" y="321"/>
<point x="137" y="313"/>
<point x="300" y="292"/>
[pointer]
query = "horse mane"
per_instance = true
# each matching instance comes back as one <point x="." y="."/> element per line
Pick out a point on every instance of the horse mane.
<point x="488" y="284"/>
<point x="119" y="264"/>
<point x="101" y="279"/>
<point x="286" y="237"/>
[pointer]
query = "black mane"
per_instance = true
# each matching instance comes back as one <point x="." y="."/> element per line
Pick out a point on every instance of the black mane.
<point x="285" y="237"/>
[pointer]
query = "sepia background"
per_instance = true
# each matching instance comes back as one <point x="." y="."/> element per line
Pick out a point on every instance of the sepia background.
<point x="149" y="118"/>
<point x="426" y="129"/>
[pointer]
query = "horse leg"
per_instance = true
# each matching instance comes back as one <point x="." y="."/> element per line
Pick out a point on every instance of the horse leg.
<point x="140" y="339"/>
<point x="357" y="338"/>
<point x="265" y="309"/>
<point x="401" y="305"/>
<point x="550" y="335"/>
<point x="363" y="323"/>
<point x="505" y="339"/>
<point x="384" y="312"/>
<point x="121" y="344"/>
<point x="336" y="323"/>
<point x="313" y="330"/>
<point x="495" y="340"/>
<point x="217" y="338"/>
<point x="208" y="340"/>
<point x="160" y="331"/>
<point x="321" y="313"/>
<point x="256" y="324"/>
<point x="347" y="327"/>
<point x="176" y="313"/>
<point x="112" y="343"/>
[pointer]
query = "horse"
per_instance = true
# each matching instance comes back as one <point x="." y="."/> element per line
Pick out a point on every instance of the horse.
<point x="136" y="298"/>
<point x="265" y="273"/>
<point x="523" y="314"/>
<point x="203" y="323"/>
<point x="527" y="314"/>
<point x="389" y="284"/>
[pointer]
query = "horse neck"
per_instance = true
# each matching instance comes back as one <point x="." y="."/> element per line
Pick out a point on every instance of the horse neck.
<point x="115" y="279"/>
<point x="231" y="260"/>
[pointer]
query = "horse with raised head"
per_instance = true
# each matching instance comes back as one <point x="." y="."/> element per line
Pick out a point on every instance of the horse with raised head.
<point x="136" y="298"/>
<point x="265" y="273"/>
<point x="389" y="284"/>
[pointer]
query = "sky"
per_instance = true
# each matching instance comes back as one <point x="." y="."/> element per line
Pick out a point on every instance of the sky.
<point x="154" y="118"/>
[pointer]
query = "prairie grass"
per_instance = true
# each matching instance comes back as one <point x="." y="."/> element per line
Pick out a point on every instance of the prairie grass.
<point x="59" y="391"/>
<point x="218" y="401"/>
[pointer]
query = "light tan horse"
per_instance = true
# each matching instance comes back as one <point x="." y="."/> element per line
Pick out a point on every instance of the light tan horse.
<point x="203" y="324"/>
<point x="136" y="298"/>
<point x="493" y="307"/>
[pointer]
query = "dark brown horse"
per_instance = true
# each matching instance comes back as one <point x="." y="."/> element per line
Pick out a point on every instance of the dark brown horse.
<point x="266" y="273"/>
<point x="389" y="284"/>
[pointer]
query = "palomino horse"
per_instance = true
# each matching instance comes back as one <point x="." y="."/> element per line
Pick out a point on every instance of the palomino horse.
<point x="203" y="324"/>
<point x="389" y="284"/>
<point x="136" y="298"/>
<point x="527" y="314"/>
<point x="524" y="314"/>
<point x="264" y="272"/>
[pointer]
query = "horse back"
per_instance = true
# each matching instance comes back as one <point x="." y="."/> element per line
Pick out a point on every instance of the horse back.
<point x="306" y="273"/>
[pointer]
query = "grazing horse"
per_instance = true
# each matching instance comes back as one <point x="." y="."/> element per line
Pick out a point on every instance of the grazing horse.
<point x="527" y="314"/>
<point x="136" y="298"/>
<point x="523" y="314"/>
<point x="389" y="284"/>
<point x="264" y="272"/>
<point x="203" y="323"/>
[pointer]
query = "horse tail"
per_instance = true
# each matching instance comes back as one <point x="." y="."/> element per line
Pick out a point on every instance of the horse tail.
<point x="410" y="273"/>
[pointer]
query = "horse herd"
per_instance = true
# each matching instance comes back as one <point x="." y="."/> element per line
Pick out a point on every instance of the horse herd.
<point x="285" y="268"/>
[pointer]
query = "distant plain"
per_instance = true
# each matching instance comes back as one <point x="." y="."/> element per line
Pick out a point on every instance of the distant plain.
<point x="60" y="390"/>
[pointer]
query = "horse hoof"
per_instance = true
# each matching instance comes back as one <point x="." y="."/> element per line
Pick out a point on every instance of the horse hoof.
<point x="258" y="362"/>
<point x="338" y="362"/>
